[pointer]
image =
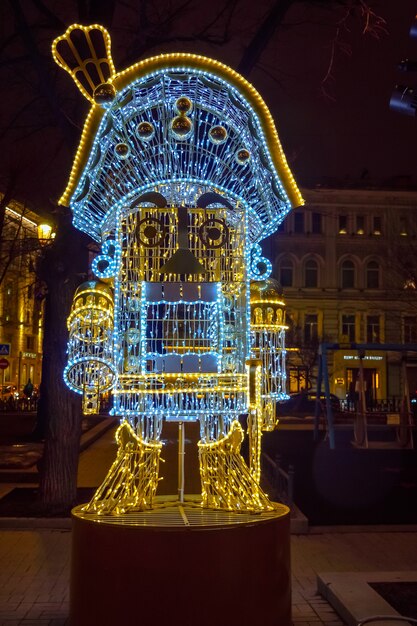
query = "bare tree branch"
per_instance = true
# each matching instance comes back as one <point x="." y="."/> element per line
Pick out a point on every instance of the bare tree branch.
<point x="263" y="35"/>
<point x="46" y="87"/>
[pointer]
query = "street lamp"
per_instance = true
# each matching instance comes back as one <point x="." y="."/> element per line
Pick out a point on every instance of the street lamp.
<point x="44" y="232"/>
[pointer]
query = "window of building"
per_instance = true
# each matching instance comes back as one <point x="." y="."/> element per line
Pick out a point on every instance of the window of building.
<point x="360" y="224"/>
<point x="376" y="225"/>
<point x="311" y="273"/>
<point x="410" y="283"/>
<point x="298" y="378"/>
<point x="373" y="329"/>
<point x="342" y="224"/>
<point x="348" y="328"/>
<point x="286" y="273"/>
<point x="348" y="275"/>
<point x="311" y="327"/>
<point x="298" y="222"/>
<point x="410" y="329"/>
<point x="8" y="301"/>
<point x="316" y="225"/>
<point x="30" y="342"/>
<point x="372" y="275"/>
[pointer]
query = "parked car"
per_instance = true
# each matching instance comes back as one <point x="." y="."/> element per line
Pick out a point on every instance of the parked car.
<point x="8" y="397"/>
<point x="303" y="404"/>
<point x="9" y="392"/>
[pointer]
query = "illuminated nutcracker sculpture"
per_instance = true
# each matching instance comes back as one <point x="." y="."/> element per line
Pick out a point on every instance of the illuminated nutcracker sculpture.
<point x="179" y="176"/>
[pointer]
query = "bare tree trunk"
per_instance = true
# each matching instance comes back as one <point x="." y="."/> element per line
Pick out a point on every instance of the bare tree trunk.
<point x="263" y="35"/>
<point x="63" y="268"/>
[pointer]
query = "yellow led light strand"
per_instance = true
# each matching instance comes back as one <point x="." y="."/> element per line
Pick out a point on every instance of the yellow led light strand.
<point x="255" y="417"/>
<point x="82" y="64"/>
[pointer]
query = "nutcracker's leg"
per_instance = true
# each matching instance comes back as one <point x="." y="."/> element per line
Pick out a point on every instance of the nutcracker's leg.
<point x="132" y="479"/>
<point x="226" y="480"/>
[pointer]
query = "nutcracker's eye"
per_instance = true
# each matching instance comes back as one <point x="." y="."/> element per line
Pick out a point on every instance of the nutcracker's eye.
<point x="214" y="232"/>
<point x="151" y="232"/>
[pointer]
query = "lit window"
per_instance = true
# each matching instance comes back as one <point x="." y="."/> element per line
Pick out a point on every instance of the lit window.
<point x="372" y="275"/>
<point x="373" y="330"/>
<point x="403" y="227"/>
<point x="311" y="273"/>
<point x="286" y="273"/>
<point x="348" y="327"/>
<point x="298" y="377"/>
<point x="342" y="224"/>
<point x="376" y="227"/>
<point x="348" y="275"/>
<point x="360" y="224"/>
<point x="410" y="283"/>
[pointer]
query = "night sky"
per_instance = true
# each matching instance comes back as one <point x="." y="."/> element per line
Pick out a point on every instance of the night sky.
<point x="355" y="134"/>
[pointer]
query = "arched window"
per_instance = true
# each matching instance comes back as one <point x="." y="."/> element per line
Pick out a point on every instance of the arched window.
<point x="311" y="273"/>
<point x="348" y="274"/>
<point x="372" y="275"/>
<point x="286" y="273"/>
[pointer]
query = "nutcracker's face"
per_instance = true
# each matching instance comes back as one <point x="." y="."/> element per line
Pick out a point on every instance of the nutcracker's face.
<point x="164" y="245"/>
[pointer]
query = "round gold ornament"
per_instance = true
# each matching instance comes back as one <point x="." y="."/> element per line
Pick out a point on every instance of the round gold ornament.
<point x="242" y="156"/>
<point x="145" y="131"/>
<point x="122" y="150"/>
<point x="217" y="134"/>
<point x="104" y="93"/>
<point x="184" y="105"/>
<point x="181" y="127"/>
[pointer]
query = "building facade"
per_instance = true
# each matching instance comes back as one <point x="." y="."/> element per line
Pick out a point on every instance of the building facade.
<point x="347" y="265"/>
<point x="21" y="302"/>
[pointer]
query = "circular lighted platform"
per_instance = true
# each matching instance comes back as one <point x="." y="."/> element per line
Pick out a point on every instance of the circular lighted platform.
<point x="181" y="564"/>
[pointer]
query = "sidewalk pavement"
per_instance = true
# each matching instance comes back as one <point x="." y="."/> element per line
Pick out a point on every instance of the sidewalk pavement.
<point x="34" y="572"/>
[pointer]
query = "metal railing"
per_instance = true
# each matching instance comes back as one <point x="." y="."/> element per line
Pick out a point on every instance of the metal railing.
<point x="12" y="405"/>
<point x="377" y="405"/>
<point x="280" y="481"/>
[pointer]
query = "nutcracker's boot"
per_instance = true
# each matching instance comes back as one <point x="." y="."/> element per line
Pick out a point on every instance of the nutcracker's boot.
<point x="226" y="480"/>
<point x="131" y="482"/>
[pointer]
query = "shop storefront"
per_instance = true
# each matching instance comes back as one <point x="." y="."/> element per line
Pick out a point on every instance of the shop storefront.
<point x="345" y="380"/>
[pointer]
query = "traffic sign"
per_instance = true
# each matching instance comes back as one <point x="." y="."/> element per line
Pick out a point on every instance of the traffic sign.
<point x="3" y="364"/>
<point x="5" y="349"/>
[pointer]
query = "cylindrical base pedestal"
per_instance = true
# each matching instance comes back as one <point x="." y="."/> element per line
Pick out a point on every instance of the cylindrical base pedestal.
<point x="180" y="564"/>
